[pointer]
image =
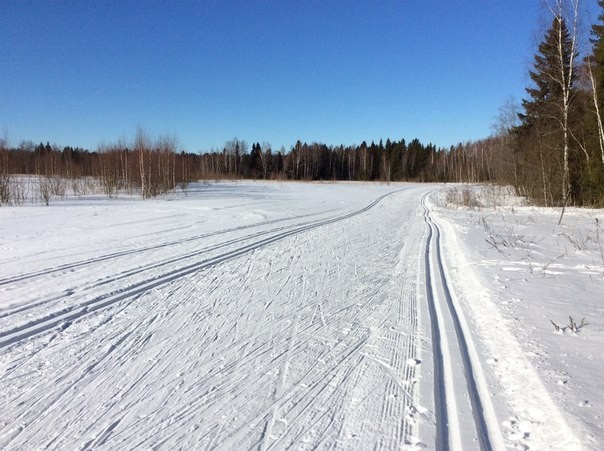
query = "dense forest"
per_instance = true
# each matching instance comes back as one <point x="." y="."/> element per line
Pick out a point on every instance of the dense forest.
<point x="550" y="149"/>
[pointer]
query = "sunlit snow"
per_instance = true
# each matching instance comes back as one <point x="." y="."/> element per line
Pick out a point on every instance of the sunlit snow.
<point x="270" y="315"/>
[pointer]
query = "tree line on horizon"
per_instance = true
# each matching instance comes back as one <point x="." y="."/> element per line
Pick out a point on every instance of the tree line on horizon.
<point x="153" y="167"/>
<point x="550" y="149"/>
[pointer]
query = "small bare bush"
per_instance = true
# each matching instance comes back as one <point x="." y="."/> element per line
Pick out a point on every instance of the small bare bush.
<point x="5" y="189"/>
<point x="58" y="186"/>
<point x="5" y="174"/>
<point x="45" y="189"/>
<point x="469" y="198"/>
<point x="111" y="183"/>
<point x="503" y="238"/>
<point x="184" y="187"/>
<point x="462" y="197"/>
<point x="578" y="241"/>
<point x="599" y="241"/>
<point x="78" y="187"/>
<point x="18" y="191"/>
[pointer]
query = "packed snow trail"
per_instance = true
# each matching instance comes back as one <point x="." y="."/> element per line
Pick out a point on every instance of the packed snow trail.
<point x="72" y="265"/>
<point x="251" y="316"/>
<point x="462" y="416"/>
<point x="305" y="336"/>
<point x="65" y="316"/>
<point x="530" y="416"/>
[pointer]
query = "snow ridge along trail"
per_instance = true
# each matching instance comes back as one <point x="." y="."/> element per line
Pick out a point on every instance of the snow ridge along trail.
<point x="464" y="415"/>
<point x="304" y="337"/>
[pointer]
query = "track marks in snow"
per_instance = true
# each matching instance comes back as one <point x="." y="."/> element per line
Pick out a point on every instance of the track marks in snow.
<point x="139" y="250"/>
<point x="244" y="245"/>
<point x="309" y="342"/>
<point x="460" y="420"/>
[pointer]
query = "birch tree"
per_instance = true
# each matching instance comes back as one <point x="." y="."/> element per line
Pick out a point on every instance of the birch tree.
<point x="547" y="111"/>
<point x="567" y="50"/>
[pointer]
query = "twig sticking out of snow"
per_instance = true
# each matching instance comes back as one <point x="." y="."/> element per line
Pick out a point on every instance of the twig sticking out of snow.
<point x="599" y="241"/>
<point x="573" y="327"/>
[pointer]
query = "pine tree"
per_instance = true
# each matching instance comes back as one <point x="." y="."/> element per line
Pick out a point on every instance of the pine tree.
<point x="597" y="33"/>
<point x="594" y="178"/>
<point x="545" y="121"/>
<point x="596" y="72"/>
<point x="255" y="161"/>
<point x="543" y="109"/>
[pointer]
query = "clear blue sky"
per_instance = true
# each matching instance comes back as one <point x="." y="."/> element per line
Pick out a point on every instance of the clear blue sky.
<point x="83" y="73"/>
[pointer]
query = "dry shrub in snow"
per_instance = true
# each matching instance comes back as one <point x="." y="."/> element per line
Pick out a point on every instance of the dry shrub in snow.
<point x="5" y="185"/>
<point x="463" y="196"/>
<point x="480" y="196"/>
<point x="572" y="327"/>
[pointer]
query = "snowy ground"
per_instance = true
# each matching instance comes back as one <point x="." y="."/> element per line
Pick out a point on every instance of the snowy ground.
<point x="269" y="316"/>
<point x="533" y="271"/>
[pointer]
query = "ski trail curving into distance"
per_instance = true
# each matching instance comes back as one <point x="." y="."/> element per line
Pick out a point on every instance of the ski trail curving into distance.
<point x="64" y="317"/>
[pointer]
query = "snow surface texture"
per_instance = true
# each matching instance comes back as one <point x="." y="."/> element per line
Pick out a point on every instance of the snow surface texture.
<point x="269" y="316"/>
<point x="531" y="272"/>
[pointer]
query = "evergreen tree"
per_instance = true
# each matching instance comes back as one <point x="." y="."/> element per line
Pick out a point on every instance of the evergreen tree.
<point x="594" y="179"/>
<point x="544" y="129"/>
<point x="597" y="33"/>
<point x="543" y="109"/>
<point x="255" y="161"/>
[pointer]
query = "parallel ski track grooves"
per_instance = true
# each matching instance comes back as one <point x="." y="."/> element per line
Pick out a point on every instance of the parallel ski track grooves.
<point x="65" y="317"/>
<point x="125" y="253"/>
<point x="154" y="265"/>
<point x="442" y="438"/>
<point x="157" y="264"/>
<point x="440" y="397"/>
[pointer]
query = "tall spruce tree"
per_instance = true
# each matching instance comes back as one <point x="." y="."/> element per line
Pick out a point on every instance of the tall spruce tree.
<point x="542" y="109"/>
<point x="545" y="121"/>
<point x="597" y="33"/>
<point x="597" y="73"/>
<point x="594" y="178"/>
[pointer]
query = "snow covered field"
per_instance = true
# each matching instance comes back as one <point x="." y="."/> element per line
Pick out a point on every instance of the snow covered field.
<point x="269" y="316"/>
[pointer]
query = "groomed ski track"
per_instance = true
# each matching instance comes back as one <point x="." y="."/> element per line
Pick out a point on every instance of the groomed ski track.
<point x="465" y="416"/>
<point x="187" y="264"/>
<point x="304" y="332"/>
